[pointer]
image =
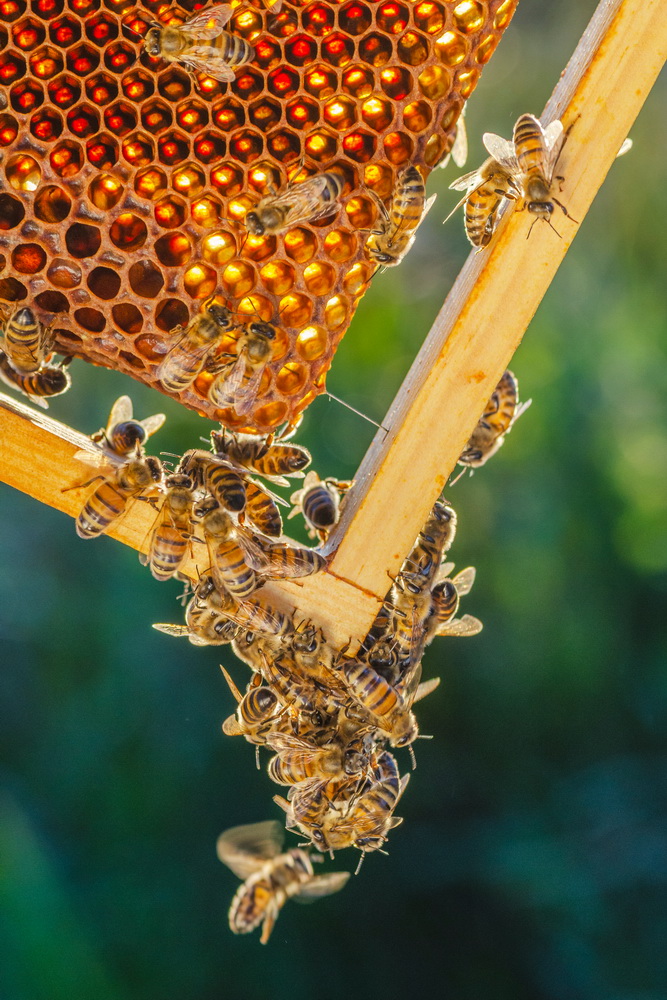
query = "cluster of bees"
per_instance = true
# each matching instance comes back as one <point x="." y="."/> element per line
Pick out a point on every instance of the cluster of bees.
<point x="25" y="358"/>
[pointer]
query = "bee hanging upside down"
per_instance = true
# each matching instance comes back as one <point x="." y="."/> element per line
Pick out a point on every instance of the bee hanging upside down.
<point x="389" y="244"/>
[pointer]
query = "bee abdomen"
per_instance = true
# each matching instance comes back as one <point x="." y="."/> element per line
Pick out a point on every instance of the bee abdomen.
<point x="319" y="508"/>
<point x="227" y="487"/>
<point x="100" y="510"/>
<point x="167" y="552"/>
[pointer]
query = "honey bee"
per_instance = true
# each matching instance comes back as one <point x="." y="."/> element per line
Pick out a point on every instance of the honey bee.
<point x="369" y="818"/>
<point x="500" y="414"/>
<point x="123" y="433"/>
<point x="319" y="502"/>
<point x="389" y="707"/>
<point x="228" y="550"/>
<point x="281" y="561"/>
<point x="171" y="535"/>
<point x="254" y="351"/>
<point x="305" y="201"/>
<point x="26" y="342"/>
<point x="257" y="711"/>
<point x="204" y="629"/>
<point x="261" y="455"/>
<point x="299" y="759"/>
<point x="270" y="878"/>
<point x="49" y="380"/>
<point x="119" y="485"/>
<point x="213" y="475"/>
<point x="486" y="189"/>
<point x="200" y="44"/>
<point x="261" y="509"/>
<point x="306" y="694"/>
<point x="187" y="356"/>
<point x="389" y="244"/>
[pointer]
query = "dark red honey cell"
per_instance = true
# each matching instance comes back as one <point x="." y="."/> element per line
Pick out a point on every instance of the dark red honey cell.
<point x="284" y="24"/>
<point x="173" y="147"/>
<point x="82" y="60"/>
<point x="128" y="319"/>
<point x="283" y="82"/>
<point x="321" y="81"/>
<point x="175" y="84"/>
<point x="28" y="258"/>
<point x="120" y="118"/>
<point x="46" y="125"/>
<point x="318" y="19"/>
<point x="375" y="49"/>
<point x="52" y="302"/>
<point x="267" y="53"/>
<point x="45" y="63"/>
<point x="84" y="7"/>
<point x="12" y="67"/>
<point x="209" y="147"/>
<point x="248" y="84"/>
<point x="9" y="128"/>
<point x="359" y="145"/>
<point x="101" y="89"/>
<point x="47" y="9"/>
<point x="246" y="145"/>
<point x="300" y="49"/>
<point x="138" y="150"/>
<point x="52" y="204"/>
<point x="302" y="113"/>
<point x="12" y="290"/>
<point x="170" y="212"/>
<point x="128" y="231"/>
<point x="119" y="57"/>
<point x="11" y="10"/>
<point x="82" y="240"/>
<point x="396" y="82"/>
<point x="27" y="96"/>
<point x="28" y="34"/>
<point x="83" y="121"/>
<point x="138" y="85"/>
<point x="265" y="113"/>
<point x="102" y="151"/>
<point x="101" y="29"/>
<point x="192" y="116"/>
<point x="156" y="117"/>
<point x="66" y="158"/>
<point x="337" y="49"/>
<point x="229" y="114"/>
<point x="90" y="319"/>
<point x="171" y="313"/>
<point x="65" y="91"/>
<point x="65" y="31"/>
<point x="104" y="283"/>
<point x="392" y="17"/>
<point x="354" y="18"/>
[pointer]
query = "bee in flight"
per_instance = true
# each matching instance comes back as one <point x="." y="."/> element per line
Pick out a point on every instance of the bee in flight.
<point x="500" y="414"/>
<point x="306" y="201"/>
<point x="319" y="502"/>
<point x="254" y="351"/>
<point x="389" y="244"/>
<point x="187" y="356"/>
<point x="270" y="878"/>
<point x="49" y="380"/>
<point x="123" y="433"/>
<point x="201" y="44"/>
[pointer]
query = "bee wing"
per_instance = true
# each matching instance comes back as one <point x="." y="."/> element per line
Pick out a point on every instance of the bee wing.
<point x="226" y="393"/>
<point x="520" y="410"/>
<point x="445" y="571"/>
<point x="306" y="204"/>
<point x="203" y="59"/>
<point x="468" y="625"/>
<point x="120" y="412"/>
<point x="176" y="630"/>
<point x="96" y="459"/>
<point x="501" y="150"/>
<point x="407" y="686"/>
<point x="232" y="686"/>
<point x="286" y="741"/>
<point x="459" y="151"/>
<point x="230" y="727"/>
<point x="246" y="394"/>
<point x="626" y="146"/>
<point x="464" y="580"/>
<point x="466" y="182"/>
<point x="152" y="424"/>
<point x="428" y="687"/>
<point x="427" y="208"/>
<point x="245" y="849"/>
<point x="254" y="551"/>
<point x="553" y="141"/>
<point x="209" y="23"/>
<point x="322" y="885"/>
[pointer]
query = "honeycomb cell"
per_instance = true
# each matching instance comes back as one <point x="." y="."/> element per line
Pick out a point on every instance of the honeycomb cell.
<point x="267" y="53"/>
<point x="302" y="113"/>
<point x="398" y="147"/>
<point x="207" y="211"/>
<point x="338" y="49"/>
<point x="228" y="179"/>
<point x="312" y="342"/>
<point x="359" y="145"/>
<point x="377" y="112"/>
<point x="259" y="307"/>
<point x="246" y="145"/>
<point x="503" y="15"/>
<point x="209" y="147"/>
<point x="263" y="178"/>
<point x="120" y="119"/>
<point x="295" y="310"/>
<point x="248" y="23"/>
<point x="84" y="7"/>
<point x="150" y="346"/>
<point x="170" y="313"/>
<point x="192" y="116"/>
<point x="82" y="60"/>
<point x="417" y="116"/>
<point x="469" y="16"/>
<point x="28" y="34"/>
<point x="200" y="281"/>
<point x="90" y="319"/>
<point x="485" y="50"/>
<point x="278" y="277"/>
<point x="284" y="24"/>
<point x="321" y="145"/>
<point x="357" y="278"/>
<point x="137" y="85"/>
<point x="11" y="10"/>
<point x="283" y="82"/>
<point x="300" y="245"/>
<point x="396" y="82"/>
<point x="145" y="279"/>
<point x="412" y="48"/>
<point x="319" y="278"/>
<point x="189" y="180"/>
<point x="23" y="172"/>
<point x="128" y="232"/>
<point x="434" y="150"/>
<point x="156" y="117"/>
<point x="376" y="50"/>
<point x="53" y="302"/>
<point x="360" y="212"/>
<point x="105" y="191"/>
<point x="12" y="212"/>
<point x="392" y="17"/>
<point x="228" y="114"/>
<point x="450" y="116"/>
<point x="26" y="96"/>
<point x="434" y="82"/>
<point x="101" y="29"/>
<point x="218" y="248"/>
<point x="291" y="378"/>
<point x="317" y="19"/>
<point x="48" y="8"/>
<point x="259" y="248"/>
<point x="340" y="245"/>
<point x="340" y="113"/>
<point x="336" y="312"/>
<point x="173" y="249"/>
<point x="119" y="57"/>
<point x="239" y="278"/>
<point x="173" y="147"/>
<point x="83" y="121"/>
<point x="467" y="82"/>
<point x="46" y="125"/>
<point x="46" y="63"/>
<point x="248" y="85"/>
<point x="284" y="145"/>
<point x="170" y="212"/>
<point x="270" y="415"/>
<point x="12" y="290"/>
<point x="379" y="178"/>
<point x="28" y="258"/>
<point x="358" y="82"/>
<point x="175" y="85"/>
<point x="128" y="319"/>
<point x="82" y="240"/>
<point x="12" y="67"/>
<point x="265" y="113"/>
<point x="65" y="31"/>
<point x="300" y="50"/>
<point x="150" y="182"/>
<point x="102" y="151"/>
<point x="52" y="204"/>
<point x="64" y="273"/>
<point x="238" y="208"/>
<point x="452" y="48"/>
<point x="321" y="81"/>
<point x="101" y="89"/>
<point x="9" y="128"/>
<point x="104" y="283"/>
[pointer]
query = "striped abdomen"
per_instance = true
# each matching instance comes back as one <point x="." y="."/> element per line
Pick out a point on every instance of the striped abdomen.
<point x="262" y="511"/>
<point x="370" y="689"/>
<point x="529" y="145"/>
<point x="226" y="486"/>
<point x="231" y="569"/>
<point x="101" y="509"/>
<point x="24" y="342"/>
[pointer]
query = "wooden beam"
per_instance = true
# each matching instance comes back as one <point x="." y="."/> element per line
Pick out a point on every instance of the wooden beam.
<point x="471" y="343"/>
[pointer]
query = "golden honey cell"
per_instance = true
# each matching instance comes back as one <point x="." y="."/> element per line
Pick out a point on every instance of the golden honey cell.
<point x="126" y="180"/>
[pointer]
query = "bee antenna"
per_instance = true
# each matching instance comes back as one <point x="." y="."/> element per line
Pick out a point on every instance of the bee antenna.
<point x="170" y="454"/>
<point x="358" y="412"/>
<point x="461" y="473"/>
<point x="423" y="737"/>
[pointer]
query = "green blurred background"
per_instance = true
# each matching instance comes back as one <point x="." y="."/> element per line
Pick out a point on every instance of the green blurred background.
<point x="533" y="858"/>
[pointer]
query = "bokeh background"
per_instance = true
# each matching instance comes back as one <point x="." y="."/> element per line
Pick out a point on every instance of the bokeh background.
<point x="532" y="862"/>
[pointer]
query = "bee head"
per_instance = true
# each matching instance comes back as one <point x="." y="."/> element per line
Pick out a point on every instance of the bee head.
<point x="221" y="315"/>
<point x="152" y="41"/>
<point x="24" y="317"/>
<point x="254" y="224"/>
<point x="383" y="258"/>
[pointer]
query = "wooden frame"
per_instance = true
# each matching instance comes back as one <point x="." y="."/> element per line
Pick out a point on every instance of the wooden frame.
<point x="470" y="344"/>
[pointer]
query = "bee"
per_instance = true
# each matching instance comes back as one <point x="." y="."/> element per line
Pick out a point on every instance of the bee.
<point x="187" y="356"/>
<point x="123" y="433"/>
<point x="303" y="693"/>
<point x="369" y="818"/>
<point x="389" y="708"/>
<point x="201" y="45"/>
<point x="281" y="561"/>
<point x="257" y="711"/>
<point x="486" y="189"/>
<point x="261" y="455"/>
<point x="270" y="878"/>
<point x="305" y="201"/>
<point x="261" y="509"/>
<point x="500" y="414"/>
<point x="228" y="550"/>
<point x="319" y="502"/>
<point x="26" y="342"/>
<point x="49" y="380"/>
<point x="213" y="475"/>
<point x="254" y="351"/>
<point x="119" y="485"/>
<point x="171" y="535"/>
<point x="445" y="599"/>
<point x="389" y="244"/>
<point x="299" y="759"/>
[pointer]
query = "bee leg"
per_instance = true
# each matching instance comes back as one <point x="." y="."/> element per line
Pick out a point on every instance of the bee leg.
<point x="257" y="756"/>
<point x="565" y="211"/>
<point x="268" y="924"/>
<point x="80" y="486"/>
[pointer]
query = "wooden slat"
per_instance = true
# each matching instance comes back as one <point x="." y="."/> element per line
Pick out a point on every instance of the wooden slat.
<point x="471" y="343"/>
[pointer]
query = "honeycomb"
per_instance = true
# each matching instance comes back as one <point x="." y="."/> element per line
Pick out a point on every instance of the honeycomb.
<point x="124" y="179"/>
